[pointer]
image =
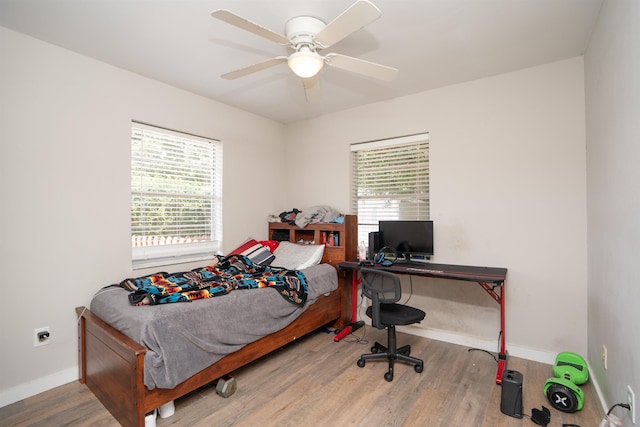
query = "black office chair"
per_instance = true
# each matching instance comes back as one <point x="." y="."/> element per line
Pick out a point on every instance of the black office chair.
<point x="383" y="289"/>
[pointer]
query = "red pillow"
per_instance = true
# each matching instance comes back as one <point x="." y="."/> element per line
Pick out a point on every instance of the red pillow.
<point x="270" y="244"/>
<point x="255" y="252"/>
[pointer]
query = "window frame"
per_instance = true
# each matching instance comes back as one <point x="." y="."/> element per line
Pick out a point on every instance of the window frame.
<point x="366" y="222"/>
<point x="186" y="251"/>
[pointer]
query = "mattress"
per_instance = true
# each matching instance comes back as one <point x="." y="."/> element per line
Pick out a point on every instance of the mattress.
<point x="184" y="338"/>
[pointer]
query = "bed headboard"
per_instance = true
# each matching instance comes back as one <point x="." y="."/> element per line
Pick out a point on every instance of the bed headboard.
<point x="340" y="240"/>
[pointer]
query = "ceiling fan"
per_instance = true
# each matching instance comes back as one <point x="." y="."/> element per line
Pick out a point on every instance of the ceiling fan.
<point x="307" y="35"/>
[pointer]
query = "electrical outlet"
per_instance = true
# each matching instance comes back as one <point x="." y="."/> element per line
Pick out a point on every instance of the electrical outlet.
<point x="41" y="336"/>
<point x="604" y="356"/>
<point x="631" y="400"/>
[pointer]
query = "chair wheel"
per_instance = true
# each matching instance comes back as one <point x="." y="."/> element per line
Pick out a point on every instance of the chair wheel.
<point x="374" y="350"/>
<point x="388" y="376"/>
<point x="418" y="368"/>
<point x="361" y="363"/>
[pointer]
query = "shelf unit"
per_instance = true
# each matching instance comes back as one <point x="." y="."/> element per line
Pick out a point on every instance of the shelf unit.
<point x="346" y="248"/>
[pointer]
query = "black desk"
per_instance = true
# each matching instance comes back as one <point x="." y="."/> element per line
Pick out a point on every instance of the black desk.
<point x="490" y="278"/>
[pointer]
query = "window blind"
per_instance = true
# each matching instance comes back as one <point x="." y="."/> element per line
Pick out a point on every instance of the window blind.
<point x="389" y="181"/>
<point x="176" y="196"/>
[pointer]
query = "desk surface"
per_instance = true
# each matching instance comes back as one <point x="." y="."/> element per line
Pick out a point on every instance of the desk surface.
<point x="445" y="271"/>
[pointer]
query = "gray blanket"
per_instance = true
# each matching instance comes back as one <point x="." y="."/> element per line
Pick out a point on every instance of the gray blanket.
<point x="316" y="214"/>
<point x="184" y="338"/>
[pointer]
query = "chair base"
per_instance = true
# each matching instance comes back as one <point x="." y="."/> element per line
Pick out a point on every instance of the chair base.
<point x="391" y="354"/>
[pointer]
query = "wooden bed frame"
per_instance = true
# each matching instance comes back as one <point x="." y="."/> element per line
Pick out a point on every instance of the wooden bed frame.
<point x="112" y="364"/>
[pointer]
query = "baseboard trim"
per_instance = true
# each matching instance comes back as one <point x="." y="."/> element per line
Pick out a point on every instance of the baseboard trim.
<point x="475" y="342"/>
<point x="40" y="385"/>
<point x="598" y="389"/>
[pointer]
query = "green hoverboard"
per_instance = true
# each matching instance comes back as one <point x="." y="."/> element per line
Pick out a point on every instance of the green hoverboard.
<point x="570" y="370"/>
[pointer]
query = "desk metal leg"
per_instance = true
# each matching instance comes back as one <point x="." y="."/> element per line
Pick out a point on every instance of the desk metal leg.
<point x="354" y="325"/>
<point x="499" y="298"/>
<point x="502" y="357"/>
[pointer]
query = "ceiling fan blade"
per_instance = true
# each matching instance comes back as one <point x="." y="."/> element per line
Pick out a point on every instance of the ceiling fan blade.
<point x="312" y="89"/>
<point x="358" y="15"/>
<point x="245" y="24"/>
<point x="254" y="68"/>
<point x="360" y="66"/>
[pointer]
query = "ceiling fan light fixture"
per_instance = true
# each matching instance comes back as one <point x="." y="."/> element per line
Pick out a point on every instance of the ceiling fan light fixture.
<point x="305" y="63"/>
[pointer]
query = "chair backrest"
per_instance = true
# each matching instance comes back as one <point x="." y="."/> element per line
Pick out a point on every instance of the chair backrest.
<point x="381" y="287"/>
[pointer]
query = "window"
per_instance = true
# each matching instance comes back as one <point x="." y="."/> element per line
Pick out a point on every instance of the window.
<point x="389" y="181"/>
<point x="176" y="196"/>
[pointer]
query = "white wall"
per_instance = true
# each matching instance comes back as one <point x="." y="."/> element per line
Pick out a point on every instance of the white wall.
<point x="508" y="189"/>
<point x="65" y="191"/>
<point x="612" y="82"/>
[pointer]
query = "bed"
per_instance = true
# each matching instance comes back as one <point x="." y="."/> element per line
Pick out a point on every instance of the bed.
<point x="114" y="347"/>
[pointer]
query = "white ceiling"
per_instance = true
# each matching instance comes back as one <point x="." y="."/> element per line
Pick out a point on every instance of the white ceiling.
<point x="433" y="43"/>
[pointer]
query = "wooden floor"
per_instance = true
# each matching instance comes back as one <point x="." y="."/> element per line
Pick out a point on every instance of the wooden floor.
<point x="316" y="382"/>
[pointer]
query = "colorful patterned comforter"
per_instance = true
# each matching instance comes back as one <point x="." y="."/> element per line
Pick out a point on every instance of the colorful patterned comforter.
<point x="227" y="274"/>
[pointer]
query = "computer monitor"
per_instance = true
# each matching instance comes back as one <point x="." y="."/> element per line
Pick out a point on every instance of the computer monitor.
<point x="408" y="238"/>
